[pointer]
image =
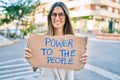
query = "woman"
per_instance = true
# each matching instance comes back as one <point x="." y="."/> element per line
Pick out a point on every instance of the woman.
<point x="59" y="24"/>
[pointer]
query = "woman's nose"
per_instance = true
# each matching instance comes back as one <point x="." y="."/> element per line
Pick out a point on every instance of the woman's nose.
<point x="57" y="17"/>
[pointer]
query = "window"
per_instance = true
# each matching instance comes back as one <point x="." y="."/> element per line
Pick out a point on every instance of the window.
<point x="116" y="11"/>
<point x="97" y="7"/>
<point x="109" y="9"/>
<point x="82" y="8"/>
<point x="119" y="11"/>
<point x="103" y="7"/>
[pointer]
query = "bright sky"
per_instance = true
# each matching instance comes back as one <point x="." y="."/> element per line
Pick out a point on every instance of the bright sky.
<point x="40" y="0"/>
<point x="9" y="1"/>
<point x="49" y="0"/>
<point x="1" y="4"/>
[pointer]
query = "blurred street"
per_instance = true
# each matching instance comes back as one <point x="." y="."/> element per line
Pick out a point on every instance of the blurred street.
<point x="96" y="19"/>
<point x="103" y="61"/>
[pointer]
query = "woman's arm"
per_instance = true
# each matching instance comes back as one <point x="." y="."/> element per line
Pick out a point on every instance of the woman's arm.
<point x="28" y="55"/>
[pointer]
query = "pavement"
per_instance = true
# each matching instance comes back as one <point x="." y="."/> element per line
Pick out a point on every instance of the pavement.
<point x="99" y="67"/>
<point x="5" y="41"/>
<point x="92" y="37"/>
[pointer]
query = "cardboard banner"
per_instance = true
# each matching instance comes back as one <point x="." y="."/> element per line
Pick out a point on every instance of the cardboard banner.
<point x="57" y="51"/>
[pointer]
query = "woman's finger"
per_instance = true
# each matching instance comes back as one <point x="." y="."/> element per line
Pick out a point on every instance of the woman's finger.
<point x="84" y="55"/>
<point x="27" y="53"/>
<point x="83" y="59"/>
<point x="84" y="62"/>
<point x="27" y="50"/>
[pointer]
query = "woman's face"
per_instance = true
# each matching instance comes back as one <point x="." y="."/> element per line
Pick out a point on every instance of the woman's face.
<point x="58" y="18"/>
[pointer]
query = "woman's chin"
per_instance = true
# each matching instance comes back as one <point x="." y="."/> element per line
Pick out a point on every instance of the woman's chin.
<point x="58" y="26"/>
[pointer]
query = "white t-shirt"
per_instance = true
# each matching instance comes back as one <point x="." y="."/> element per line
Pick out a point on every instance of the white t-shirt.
<point x="56" y="74"/>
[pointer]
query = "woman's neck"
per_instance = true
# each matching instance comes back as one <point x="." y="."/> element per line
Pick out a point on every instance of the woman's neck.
<point x="59" y="32"/>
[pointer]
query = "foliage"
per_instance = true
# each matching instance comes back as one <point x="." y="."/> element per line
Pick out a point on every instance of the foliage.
<point x="117" y="31"/>
<point x="31" y="27"/>
<point x="24" y="31"/>
<point x="28" y="30"/>
<point x="83" y="17"/>
<point x="106" y="30"/>
<point x="16" y="9"/>
<point x="5" y="20"/>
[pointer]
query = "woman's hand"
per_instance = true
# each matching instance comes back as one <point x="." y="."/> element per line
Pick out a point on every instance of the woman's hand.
<point x="28" y="56"/>
<point x="83" y="59"/>
<point x="27" y="53"/>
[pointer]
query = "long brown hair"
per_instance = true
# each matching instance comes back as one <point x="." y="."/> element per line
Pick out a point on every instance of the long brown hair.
<point x="67" y="26"/>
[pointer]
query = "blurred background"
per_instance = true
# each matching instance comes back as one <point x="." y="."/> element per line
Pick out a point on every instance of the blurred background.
<point x="18" y="18"/>
<point x="99" y="20"/>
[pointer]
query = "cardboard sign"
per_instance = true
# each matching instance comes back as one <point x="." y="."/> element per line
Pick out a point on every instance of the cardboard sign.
<point x="57" y="51"/>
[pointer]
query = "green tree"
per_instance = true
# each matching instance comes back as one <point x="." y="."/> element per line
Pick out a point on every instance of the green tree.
<point x="17" y="9"/>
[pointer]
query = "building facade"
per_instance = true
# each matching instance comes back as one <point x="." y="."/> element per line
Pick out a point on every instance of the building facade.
<point x="93" y="15"/>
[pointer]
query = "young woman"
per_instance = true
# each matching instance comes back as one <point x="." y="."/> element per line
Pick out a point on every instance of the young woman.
<point x="59" y="24"/>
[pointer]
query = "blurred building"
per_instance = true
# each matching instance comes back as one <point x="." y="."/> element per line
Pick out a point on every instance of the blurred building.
<point x="86" y="15"/>
<point x="0" y="16"/>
